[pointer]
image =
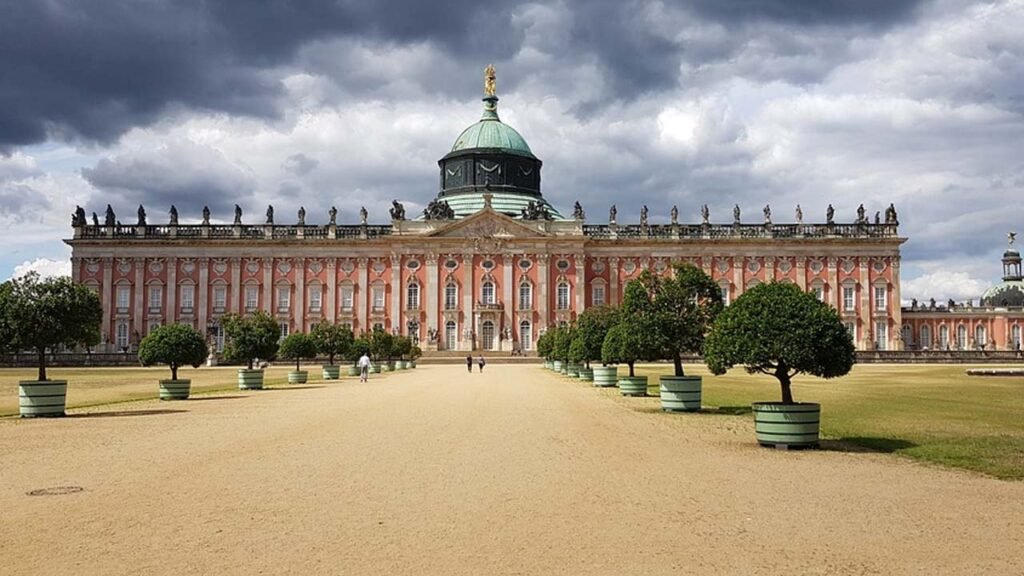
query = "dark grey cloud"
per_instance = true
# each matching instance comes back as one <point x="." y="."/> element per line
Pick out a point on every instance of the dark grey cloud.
<point x="21" y="202"/>
<point x="844" y="12"/>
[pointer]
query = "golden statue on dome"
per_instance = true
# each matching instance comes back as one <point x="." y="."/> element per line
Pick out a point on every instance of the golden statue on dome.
<point x="490" y="88"/>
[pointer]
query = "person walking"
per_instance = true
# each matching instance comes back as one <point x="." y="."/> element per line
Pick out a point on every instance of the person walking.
<point x="469" y="362"/>
<point x="364" y="368"/>
<point x="482" y="362"/>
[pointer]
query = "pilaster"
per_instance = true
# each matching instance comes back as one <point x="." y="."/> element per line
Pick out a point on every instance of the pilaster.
<point x="140" y="296"/>
<point x="203" y="303"/>
<point x="433" y="316"/>
<point x="236" y="285"/>
<point x="268" y="286"/>
<point x="172" y="290"/>
<point x="468" y="293"/>
<point x="332" y="290"/>
<point x="397" y="291"/>
<point x="581" y="282"/>
<point x="864" y="309"/>
<point x="542" y="280"/>
<point x="299" y="310"/>
<point x="613" y="280"/>
<point x="108" y="287"/>
<point x="361" y="303"/>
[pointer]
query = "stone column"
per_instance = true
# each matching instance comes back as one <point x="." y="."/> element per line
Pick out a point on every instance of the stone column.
<point x="202" y="302"/>
<point x="172" y="289"/>
<point x="299" y="310"/>
<point x="833" y="284"/>
<point x="141" y="305"/>
<point x="468" y="293"/>
<point x="396" y="293"/>
<point x="268" y="286"/>
<point x="107" y="295"/>
<point x="332" y="290"/>
<point x="433" y="316"/>
<point x="508" y="297"/>
<point x="542" y="289"/>
<point x="236" y="285"/>
<point x="613" y="280"/>
<point x="581" y="282"/>
<point x="361" y="303"/>
<point x="864" y="311"/>
<point x="897" y="310"/>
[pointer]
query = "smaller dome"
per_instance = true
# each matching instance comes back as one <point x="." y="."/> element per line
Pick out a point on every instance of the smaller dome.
<point x="1008" y="293"/>
<point x="491" y="133"/>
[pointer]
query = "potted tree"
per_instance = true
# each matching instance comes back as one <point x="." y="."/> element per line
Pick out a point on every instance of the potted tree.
<point x="332" y="340"/>
<point x="634" y="337"/>
<point x="249" y="337"/>
<point x="591" y="328"/>
<point x="400" y="348"/>
<point x="780" y="330"/>
<point x="685" y="304"/>
<point x="41" y="315"/>
<point x="381" y="346"/>
<point x="560" y="348"/>
<point x="359" y="347"/>
<point x="176" y="345"/>
<point x="297" y="346"/>
<point x="414" y="354"/>
<point x="544" y="349"/>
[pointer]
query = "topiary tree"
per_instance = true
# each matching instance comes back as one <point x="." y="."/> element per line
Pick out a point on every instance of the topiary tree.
<point x="381" y="344"/>
<point x="591" y="328"/>
<point x="359" y="347"/>
<point x="297" y="346"/>
<point x="401" y="346"/>
<point x="636" y="336"/>
<point x="332" y="340"/>
<point x="175" y="345"/>
<point x="561" y="340"/>
<point x="545" y="345"/>
<point x="780" y="330"/>
<point x="42" y="314"/>
<point x="415" y="352"/>
<point x="249" y="337"/>
<point x="685" y="305"/>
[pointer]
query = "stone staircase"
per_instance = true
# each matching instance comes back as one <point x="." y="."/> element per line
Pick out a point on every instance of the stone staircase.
<point x="492" y="357"/>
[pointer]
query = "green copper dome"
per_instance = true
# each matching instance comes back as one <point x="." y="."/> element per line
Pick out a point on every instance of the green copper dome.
<point x="490" y="132"/>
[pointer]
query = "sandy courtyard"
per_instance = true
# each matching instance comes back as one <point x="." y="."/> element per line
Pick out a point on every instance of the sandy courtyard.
<point x="435" y="471"/>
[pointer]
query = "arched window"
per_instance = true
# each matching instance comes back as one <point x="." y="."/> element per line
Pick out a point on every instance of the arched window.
<point x="412" y="296"/>
<point x="525" y="335"/>
<point x="451" y="296"/>
<point x="121" y="340"/>
<point x="487" y="335"/>
<point x="926" y="337"/>
<point x="450" y="334"/>
<point x="944" y="337"/>
<point x="907" y="335"/>
<point x="961" y="337"/>
<point x="562" y="296"/>
<point x="1015" y="337"/>
<point x="525" y="296"/>
<point x="980" y="336"/>
<point x="487" y="292"/>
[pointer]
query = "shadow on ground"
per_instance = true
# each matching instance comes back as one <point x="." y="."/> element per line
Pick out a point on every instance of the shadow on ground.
<point x="866" y="444"/>
<point x="194" y="398"/>
<point x="123" y="413"/>
<point x="289" y="387"/>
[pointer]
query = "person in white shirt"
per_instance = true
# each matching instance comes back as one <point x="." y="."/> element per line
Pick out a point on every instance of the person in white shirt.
<point x="364" y="368"/>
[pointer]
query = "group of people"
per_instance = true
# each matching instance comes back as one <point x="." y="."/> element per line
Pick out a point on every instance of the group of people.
<point x="364" y="366"/>
<point x="469" y="362"/>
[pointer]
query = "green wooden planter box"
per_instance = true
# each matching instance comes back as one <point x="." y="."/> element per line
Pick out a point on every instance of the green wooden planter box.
<point x="298" y="377"/>
<point x="556" y="365"/>
<point x="331" y="372"/>
<point x="353" y="370"/>
<point x="42" y="399"/>
<point x="680" y="393"/>
<point x="400" y="365"/>
<point x="175" y="389"/>
<point x="586" y="374"/>
<point x="250" y="379"/>
<point x="606" y="376"/>
<point x="633" y="385"/>
<point x="785" y="425"/>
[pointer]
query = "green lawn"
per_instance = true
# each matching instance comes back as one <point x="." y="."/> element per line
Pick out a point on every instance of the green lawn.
<point x="934" y="413"/>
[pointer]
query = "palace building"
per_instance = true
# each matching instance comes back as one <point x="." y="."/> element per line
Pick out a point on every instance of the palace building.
<point x="489" y="264"/>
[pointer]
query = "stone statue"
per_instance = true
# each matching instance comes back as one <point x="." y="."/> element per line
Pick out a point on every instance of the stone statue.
<point x="333" y="213"/>
<point x="612" y="212"/>
<point x="577" y="212"/>
<point x="363" y="215"/>
<point x="767" y="214"/>
<point x="439" y="210"/>
<point x="78" y="217"/>
<point x="890" y="215"/>
<point x="643" y="215"/>
<point x="931" y="304"/>
<point x="95" y="219"/>
<point x="860" y="215"/>
<point x="951" y="304"/>
<point x="878" y="217"/>
<point x="397" y="210"/>
<point x="302" y="215"/>
<point x="490" y="86"/>
<point x="174" y="216"/>
<point x="206" y="215"/>
<point x="674" y="214"/>
<point x="535" y="211"/>
<point x="705" y="214"/>
<point x="830" y="213"/>
<point x="736" y="214"/>
<point x="238" y="215"/>
<point x="270" y="214"/>
<point x="109" y="219"/>
<point x="799" y="215"/>
<point x="142" y="216"/>
<point x="913" y="303"/>
<point x="432" y="335"/>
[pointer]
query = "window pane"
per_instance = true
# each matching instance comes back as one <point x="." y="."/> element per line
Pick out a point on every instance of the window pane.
<point x="598" y="295"/>
<point x="251" y="297"/>
<point x="346" y="296"/>
<point x="219" y="296"/>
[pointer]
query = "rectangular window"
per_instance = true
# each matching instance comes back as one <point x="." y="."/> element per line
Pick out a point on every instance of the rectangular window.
<point x="451" y="297"/>
<point x="880" y="298"/>
<point x="284" y="330"/>
<point x="725" y="294"/>
<point x="188" y="297"/>
<point x="346" y="297"/>
<point x="251" y="297"/>
<point x="315" y="298"/>
<point x="487" y="293"/>
<point x="562" y="296"/>
<point x="412" y="297"/>
<point x="881" y="336"/>
<point x="525" y="297"/>
<point x="156" y="294"/>
<point x="123" y="295"/>
<point x="599" y="295"/>
<point x="284" y="298"/>
<point x="220" y="298"/>
<point x="848" y="298"/>
<point x="121" y="340"/>
<point x="378" y="297"/>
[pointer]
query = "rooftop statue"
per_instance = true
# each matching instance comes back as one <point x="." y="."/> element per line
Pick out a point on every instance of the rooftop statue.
<point x="577" y="212"/>
<point x="643" y="215"/>
<point x="270" y="214"/>
<point x="174" y="216"/>
<point x="612" y="212"/>
<point x="890" y="215"/>
<point x="438" y="210"/>
<point x="878" y="217"/>
<point x="302" y="215"/>
<point x="95" y="219"/>
<point x="535" y="211"/>
<point x="799" y="215"/>
<point x="490" y="86"/>
<point x="860" y="215"/>
<point x="397" y="210"/>
<point x="830" y="213"/>
<point x="238" y="215"/>
<point x="674" y="214"/>
<point x="736" y="214"/>
<point x="705" y="214"/>
<point x="142" y="216"/>
<point x="206" y="215"/>
<point x="363" y="215"/>
<point x="109" y="219"/>
<point x="78" y="217"/>
<point x="767" y="214"/>
<point x="333" y="213"/>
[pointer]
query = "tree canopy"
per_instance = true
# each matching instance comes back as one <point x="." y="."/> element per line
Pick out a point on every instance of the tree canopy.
<point x="297" y="346"/>
<point x="401" y="346"/>
<point x="332" y="340"/>
<point x="545" y="345"/>
<point x="249" y="337"/>
<point x="561" y="339"/>
<point x="685" y="305"/>
<point x="636" y="335"/>
<point x="359" y="347"/>
<point x="780" y="330"/>
<point x="40" y="314"/>
<point x="175" y="345"/>
<point x="381" y="344"/>
<point x="592" y="326"/>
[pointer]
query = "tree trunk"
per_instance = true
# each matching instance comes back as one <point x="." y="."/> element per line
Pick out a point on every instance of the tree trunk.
<point x="330" y="359"/>
<point x="42" y="364"/>
<point x="250" y="363"/>
<point x="174" y="371"/>
<point x="784" y="380"/>
<point x="630" y="364"/>
<point x="678" y="362"/>
<point x="296" y="364"/>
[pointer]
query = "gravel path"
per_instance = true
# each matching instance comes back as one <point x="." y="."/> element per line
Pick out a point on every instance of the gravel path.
<point x="435" y="471"/>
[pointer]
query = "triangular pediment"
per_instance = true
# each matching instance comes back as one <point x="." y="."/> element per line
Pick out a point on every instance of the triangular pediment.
<point x="489" y="224"/>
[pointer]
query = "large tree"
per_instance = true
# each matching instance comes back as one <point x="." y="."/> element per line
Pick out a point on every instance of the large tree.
<point x="592" y="326"/>
<point x="780" y="330"/>
<point x="43" y="314"/>
<point x="636" y="336"/>
<point x="249" y="337"/>
<point x="381" y="344"/>
<point x="332" y="340"/>
<point x="176" y="345"/>
<point x="685" y="303"/>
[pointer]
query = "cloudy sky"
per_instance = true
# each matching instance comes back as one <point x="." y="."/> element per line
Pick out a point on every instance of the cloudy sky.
<point x="351" y="102"/>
